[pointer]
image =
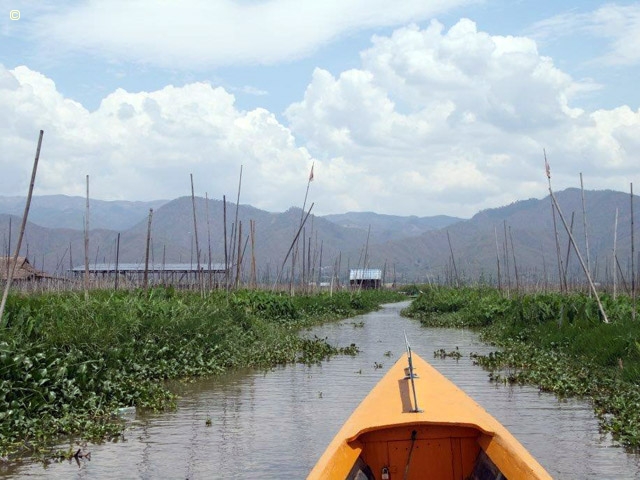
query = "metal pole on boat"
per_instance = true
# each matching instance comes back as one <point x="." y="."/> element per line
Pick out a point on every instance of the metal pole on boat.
<point x="411" y="376"/>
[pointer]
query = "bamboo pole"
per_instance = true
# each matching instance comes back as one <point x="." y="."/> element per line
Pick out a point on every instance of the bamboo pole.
<point x="206" y="199"/>
<point x="515" y="265"/>
<point x="252" y="228"/>
<point x="633" y="271"/>
<point x="195" y="232"/>
<point x="234" y="234"/>
<point x="117" y="262"/>
<point x="566" y="265"/>
<point x="555" y="227"/>
<point x="495" y="231"/>
<point x="615" y="241"/>
<point x="239" y="258"/>
<point x="145" y="278"/>
<point x="584" y="267"/>
<point x="295" y="239"/>
<point x="506" y="259"/>
<point x="226" y="254"/>
<point x="11" y="272"/>
<point x="584" y="222"/>
<point x="86" y="246"/>
<point x="453" y="260"/>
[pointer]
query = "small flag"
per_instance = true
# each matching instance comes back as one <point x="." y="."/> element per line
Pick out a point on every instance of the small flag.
<point x="311" y="174"/>
<point x="546" y="167"/>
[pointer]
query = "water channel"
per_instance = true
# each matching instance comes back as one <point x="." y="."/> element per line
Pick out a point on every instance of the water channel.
<point x="276" y="424"/>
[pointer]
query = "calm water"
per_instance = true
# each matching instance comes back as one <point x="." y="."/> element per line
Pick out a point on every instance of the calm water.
<point x="276" y="424"/>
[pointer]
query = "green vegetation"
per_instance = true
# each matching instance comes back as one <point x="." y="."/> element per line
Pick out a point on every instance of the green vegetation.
<point x="557" y="342"/>
<point x="67" y="364"/>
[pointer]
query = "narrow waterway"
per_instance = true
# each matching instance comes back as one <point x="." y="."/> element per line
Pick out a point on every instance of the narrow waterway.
<point x="276" y="424"/>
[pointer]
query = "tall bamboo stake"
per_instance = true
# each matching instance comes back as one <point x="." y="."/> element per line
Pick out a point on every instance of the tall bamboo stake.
<point x="226" y="254"/>
<point x="117" y="262"/>
<point x="32" y="183"/>
<point x="555" y="227"/>
<point x="145" y="278"/>
<point x="234" y="234"/>
<point x="239" y="258"/>
<point x="86" y="246"/>
<point x="252" y="227"/>
<point x="506" y="259"/>
<point x="633" y="271"/>
<point x="615" y="241"/>
<point x="295" y="239"/>
<point x="453" y="260"/>
<point x="515" y="265"/>
<point x="584" y="267"/>
<point x="584" y="222"/>
<point x="495" y="231"/>
<point x="195" y="229"/>
<point x="206" y="199"/>
<point x="566" y="265"/>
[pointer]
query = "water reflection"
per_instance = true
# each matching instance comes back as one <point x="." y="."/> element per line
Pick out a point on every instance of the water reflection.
<point x="276" y="424"/>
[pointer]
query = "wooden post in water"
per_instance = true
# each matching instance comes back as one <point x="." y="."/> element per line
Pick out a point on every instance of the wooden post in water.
<point x="615" y="241"/>
<point x="117" y="262"/>
<point x="555" y="227"/>
<point x="584" y="222"/>
<point x="515" y="265"/>
<point x="195" y="233"/>
<point x="12" y="268"/>
<point x="86" y="246"/>
<point x="453" y="260"/>
<point x="566" y="265"/>
<point x="584" y="267"/>
<point x="239" y="258"/>
<point x="633" y="270"/>
<point x="295" y="239"/>
<point x="226" y="254"/>
<point x="234" y="234"/>
<point x="206" y="200"/>
<point x="252" y="229"/>
<point x="145" y="278"/>
<point x="507" y="272"/>
<point x="495" y="231"/>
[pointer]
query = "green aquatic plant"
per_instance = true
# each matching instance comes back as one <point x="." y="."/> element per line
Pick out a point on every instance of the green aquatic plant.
<point x="67" y="363"/>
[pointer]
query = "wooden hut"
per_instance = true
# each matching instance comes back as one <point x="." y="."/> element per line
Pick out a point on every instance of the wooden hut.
<point x="23" y="272"/>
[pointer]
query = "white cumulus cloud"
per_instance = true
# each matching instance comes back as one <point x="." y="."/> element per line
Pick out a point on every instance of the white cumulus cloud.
<point x="144" y="145"/>
<point x="197" y="33"/>
<point x="456" y="120"/>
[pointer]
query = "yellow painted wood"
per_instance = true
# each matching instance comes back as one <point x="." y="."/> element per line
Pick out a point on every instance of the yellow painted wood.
<point x="450" y="432"/>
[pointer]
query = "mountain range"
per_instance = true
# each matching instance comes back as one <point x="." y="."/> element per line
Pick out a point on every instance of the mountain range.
<point x="518" y="237"/>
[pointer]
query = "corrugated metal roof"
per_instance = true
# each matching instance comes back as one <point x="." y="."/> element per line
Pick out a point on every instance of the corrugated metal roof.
<point x="365" y="274"/>
<point x="158" y="267"/>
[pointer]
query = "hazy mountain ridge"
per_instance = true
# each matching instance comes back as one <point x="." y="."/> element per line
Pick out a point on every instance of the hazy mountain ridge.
<point x="62" y="211"/>
<point x="391" y="227"/>
<point x="527" y="227"/>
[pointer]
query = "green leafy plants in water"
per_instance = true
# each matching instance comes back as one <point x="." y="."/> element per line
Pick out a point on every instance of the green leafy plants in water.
<point x="555" y="341"/>
<point x="68" y="364"/>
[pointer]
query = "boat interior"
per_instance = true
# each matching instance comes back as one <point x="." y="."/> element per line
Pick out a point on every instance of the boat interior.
<point x="423" y="452"/>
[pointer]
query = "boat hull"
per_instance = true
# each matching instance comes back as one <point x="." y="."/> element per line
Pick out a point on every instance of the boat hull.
<point x="427" y="428"/>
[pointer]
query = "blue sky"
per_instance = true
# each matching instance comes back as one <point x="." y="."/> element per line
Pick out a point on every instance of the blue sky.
<point x="426" y="107"/>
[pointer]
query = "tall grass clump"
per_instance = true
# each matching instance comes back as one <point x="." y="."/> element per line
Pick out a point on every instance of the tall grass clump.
<point x="68" y="363"/>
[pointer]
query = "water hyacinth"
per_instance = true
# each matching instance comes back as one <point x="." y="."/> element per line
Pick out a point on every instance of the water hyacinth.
<point x="555" y="341"/>
<point x="67" y="364"/>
